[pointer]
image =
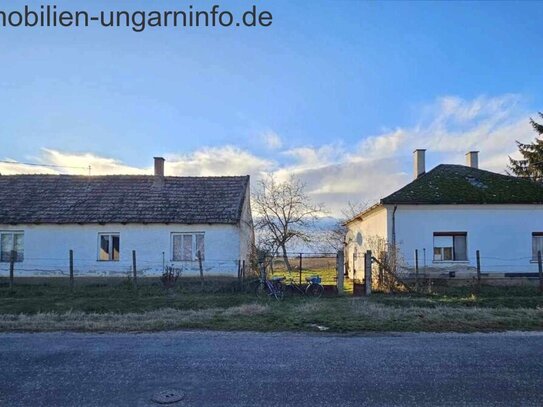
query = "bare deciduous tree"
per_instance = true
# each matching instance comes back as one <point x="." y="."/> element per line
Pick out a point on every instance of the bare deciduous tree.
<point x="334" y="237"/>
<point x="284" y="213"/>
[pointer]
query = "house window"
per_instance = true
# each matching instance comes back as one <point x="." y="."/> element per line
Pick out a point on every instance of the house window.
<point x="537" y="244"/>
<point x="12" y="241"/>
<point x="450" y="246"/>
<point x="109" y="246"/>
<point x="185" y="246"/>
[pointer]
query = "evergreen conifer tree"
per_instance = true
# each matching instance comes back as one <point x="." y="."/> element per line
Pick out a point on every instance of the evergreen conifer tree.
<point x="531" y="163"/>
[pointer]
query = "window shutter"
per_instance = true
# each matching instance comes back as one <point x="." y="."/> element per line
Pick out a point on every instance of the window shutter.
<point x="460" y="248"/>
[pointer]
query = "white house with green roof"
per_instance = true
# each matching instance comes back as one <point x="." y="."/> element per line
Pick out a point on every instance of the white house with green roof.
<point x="447" y="215"/>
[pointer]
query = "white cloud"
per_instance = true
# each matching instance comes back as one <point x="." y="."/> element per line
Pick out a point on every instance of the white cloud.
<point x="226" y="160"/>
<point x="379" y="164"/>
<point x="78" y="163"/>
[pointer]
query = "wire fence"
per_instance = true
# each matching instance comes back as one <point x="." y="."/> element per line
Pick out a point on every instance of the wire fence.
<point x="147" y="269"/>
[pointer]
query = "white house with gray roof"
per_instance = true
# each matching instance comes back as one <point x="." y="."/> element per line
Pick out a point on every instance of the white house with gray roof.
<point x="447" y="215"/>
<point x="166" y="220"/>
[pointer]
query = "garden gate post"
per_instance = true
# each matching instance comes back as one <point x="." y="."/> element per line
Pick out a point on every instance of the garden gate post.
<point x="340" y="270"/>
<point x="367" y="272"/>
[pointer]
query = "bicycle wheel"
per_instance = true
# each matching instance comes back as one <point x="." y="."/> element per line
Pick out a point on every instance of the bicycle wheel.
<point x="314" y="290"/>
<point x="279" y="291"/>
<point x="261" y="290"/>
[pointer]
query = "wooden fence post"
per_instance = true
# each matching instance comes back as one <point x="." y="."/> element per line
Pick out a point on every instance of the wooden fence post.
<point x="417" y="270"/>
<point x="12" y="258"/>
<point x="71" y="269"/>
<point x="300" y="266"/>
<point x="340" y="271"/>
<point x="367" y="272"/>
<point x="478" y="258"/>
<point x="540" y="266"/>
<point x="201" y="270"/>
<point x="134" y="269"/>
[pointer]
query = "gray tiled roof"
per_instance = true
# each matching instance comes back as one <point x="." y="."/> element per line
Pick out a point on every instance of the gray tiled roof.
<point x="459" y="184"/>
<point x="120" y="199"/>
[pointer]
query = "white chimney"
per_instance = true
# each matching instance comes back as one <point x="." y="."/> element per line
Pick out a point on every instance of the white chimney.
<point x="472" y="159"/>
<point x="159" y="166"/>
<point x="419" y="162"/>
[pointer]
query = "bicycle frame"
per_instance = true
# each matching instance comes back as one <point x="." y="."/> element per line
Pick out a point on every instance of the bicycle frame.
<point x="272" y="289"/>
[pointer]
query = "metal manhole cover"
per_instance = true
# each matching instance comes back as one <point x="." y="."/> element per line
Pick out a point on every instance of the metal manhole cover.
<point x="168" y="396"/>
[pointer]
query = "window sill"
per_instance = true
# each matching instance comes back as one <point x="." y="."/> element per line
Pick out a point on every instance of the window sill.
<point x="108" y="261"/>
<point x="451" y="261"/>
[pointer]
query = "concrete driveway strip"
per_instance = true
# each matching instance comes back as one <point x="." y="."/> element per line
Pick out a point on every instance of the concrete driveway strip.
<point x="271" y="369"/>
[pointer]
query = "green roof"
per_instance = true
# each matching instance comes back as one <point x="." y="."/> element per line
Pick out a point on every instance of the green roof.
<point x="458" y="184"/>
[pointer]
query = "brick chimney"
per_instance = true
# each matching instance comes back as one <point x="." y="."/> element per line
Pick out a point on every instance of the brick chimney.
<point x="419" y="163"/>
<point x="159" y="167"/>
<point x="472" y="159"/>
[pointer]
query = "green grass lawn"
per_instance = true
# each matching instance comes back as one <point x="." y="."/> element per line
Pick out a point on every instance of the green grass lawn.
<point x="121" y="308"/>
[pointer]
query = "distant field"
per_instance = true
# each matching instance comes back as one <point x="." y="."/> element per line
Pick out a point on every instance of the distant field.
<point x="325" y="267"/>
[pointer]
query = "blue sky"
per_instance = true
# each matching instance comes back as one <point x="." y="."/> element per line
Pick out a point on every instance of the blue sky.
<point x="341" y="88"/>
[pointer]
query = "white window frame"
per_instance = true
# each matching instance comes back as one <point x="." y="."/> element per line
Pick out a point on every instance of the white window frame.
<point x="110" y="240"/>
<point x="452" y="235"/>
<point x="194" y="246"/>
<point x="18" y="259"/>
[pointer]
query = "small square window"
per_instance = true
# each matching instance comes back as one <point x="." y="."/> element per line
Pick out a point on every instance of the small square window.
<point x="109" y="247"/>
<point x="12" y="242"/>
<point x="187" y="246"/>
<point x="450" y="246"/>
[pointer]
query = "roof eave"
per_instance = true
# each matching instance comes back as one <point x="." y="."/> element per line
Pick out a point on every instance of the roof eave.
<point x="365" y="212"/>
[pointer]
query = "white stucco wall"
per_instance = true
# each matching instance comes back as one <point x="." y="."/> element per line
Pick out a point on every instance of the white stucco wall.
<point x="502" y="234"/>
<point x="46" y="249"/>
<point x="360" y="235"/>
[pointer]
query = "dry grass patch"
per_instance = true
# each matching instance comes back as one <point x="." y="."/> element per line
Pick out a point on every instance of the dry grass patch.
<point x="444" y="318"/>
<point x="310" y="307"/>
<point x="247" y="310"/>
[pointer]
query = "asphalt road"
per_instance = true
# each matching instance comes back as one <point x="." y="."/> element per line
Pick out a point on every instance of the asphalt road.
<point x="259" y="369"/>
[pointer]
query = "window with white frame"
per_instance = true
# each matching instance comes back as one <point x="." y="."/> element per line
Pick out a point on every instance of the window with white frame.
<point x="537" y="244"/>
<point x="186" y="246"/>
<point x="11" y="241"/>
<point x="109" y="246"/>
<point x="450" y="246"/>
